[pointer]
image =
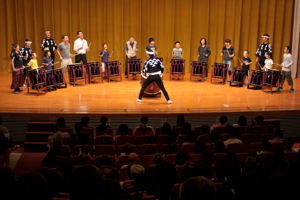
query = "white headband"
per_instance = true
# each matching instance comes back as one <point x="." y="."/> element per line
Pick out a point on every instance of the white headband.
<point x="47" y="32"/>
<point x="28" y="42"/>
<point x="265" y="36"/>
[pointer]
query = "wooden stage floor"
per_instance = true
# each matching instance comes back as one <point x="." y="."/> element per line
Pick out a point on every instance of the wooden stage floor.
<point x="118" y="100"/>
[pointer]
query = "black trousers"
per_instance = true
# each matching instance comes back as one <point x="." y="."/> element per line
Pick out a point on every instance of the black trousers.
<point x="80" y="57"/>
<point x="126" y="63"/>
<point x="157" y="79"/>
<point x="262" y="64"/>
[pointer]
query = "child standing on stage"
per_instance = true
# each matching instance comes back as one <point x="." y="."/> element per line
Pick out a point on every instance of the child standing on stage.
<point x="228" y="52"/>
<point x="151" y="47"/>
<point x="104" y="54"/>
<point x="286" y="72"/>
<point x="268" y="62"/>
<point x="203" y="53"/>
<point x="17" y="69"/>
<point x="246" y="62"/>
<point x="177" y="52"/>
<point x="33" y="62"/>
<point x="47" y="61"/>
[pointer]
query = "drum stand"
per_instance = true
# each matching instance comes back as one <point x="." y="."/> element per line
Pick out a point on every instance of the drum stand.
<point x="196" y="68"/>
<point x="219" y="75"/>
<point x="271" y="79"/>
<point x="237" y="77"/>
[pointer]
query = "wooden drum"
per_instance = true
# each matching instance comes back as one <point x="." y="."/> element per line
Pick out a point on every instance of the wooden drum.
<point x="152" y="90"/>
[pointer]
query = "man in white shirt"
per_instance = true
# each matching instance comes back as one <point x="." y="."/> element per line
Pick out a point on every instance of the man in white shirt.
<point x="232" y="140"/>
<point x="286" y="72"/>
<point x="81" y="47"/>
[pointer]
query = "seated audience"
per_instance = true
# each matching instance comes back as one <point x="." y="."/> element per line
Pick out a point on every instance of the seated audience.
<point x="198" y="187"/>
<point x="143" y="129"/>
<point x="278" y="136"/>
<point x="242" y="121"/>
<point x="232" y="134"/>
<point x="222" y="121"/>
<point x="86" y="182"/>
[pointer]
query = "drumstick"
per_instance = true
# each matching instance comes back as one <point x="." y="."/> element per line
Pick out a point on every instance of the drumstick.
<point x="277" y="64"/>
<point x="89" y="45"/>
<point x="49" y="62"/>
<point x="259" y="65"/>
<point x="56" y="63"/>
<point x="228" y="52"/>
<point x="240" y="60"/>
<point x="111" y="53"/>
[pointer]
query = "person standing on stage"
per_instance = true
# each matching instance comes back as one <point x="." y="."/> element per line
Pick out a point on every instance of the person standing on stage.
<point x="153" y="68"/>
<point x="131" y="47"/>
<point x="203" y="53"/>
<point x="47" y="61"/>
<point x="286" y="72"/>
<point x="26" y="53"/>
<point x="228" y="52"/>
<point x="246" y="62"/>
<point x="268" y="63"/>
<point x="262" y="50"/>
<point x="151" y="47"/>
<point x="63" y="51"/>
<point x="177" y="52"/>
<point x="81" y="47"/>
<point x="104" y="54"/>
<point x="17" y="69"/>
<point x="33" y="64"/>
<point x="49" y="44"/>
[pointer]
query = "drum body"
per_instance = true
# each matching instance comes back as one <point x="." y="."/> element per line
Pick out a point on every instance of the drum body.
<point x="50" y="79"/>
<point x="270" y="80"/>
<point x="59" y="78"/>
<point x="37" y="80"/>
<point x="134" y="67"/>
<point x="93" y="71"/>
<point x="238" y="77"/>
<point x="255" y="79"/>
<point x="152" y="89"/>
<point x="113" y="70"/>
<point x="198" y="70"/>
<point x="219" y="73"/>
<point x="177" y="68"/>
<point x="76" y="73"/>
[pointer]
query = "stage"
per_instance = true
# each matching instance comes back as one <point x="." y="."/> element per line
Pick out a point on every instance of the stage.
<point x="118" y="100"/>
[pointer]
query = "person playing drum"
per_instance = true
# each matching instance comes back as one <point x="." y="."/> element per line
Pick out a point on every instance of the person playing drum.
<point x="153" y="68"/>
<point x="286" y="72"/>
<point x="268" y="62"/>
<point x="246" y="62"/>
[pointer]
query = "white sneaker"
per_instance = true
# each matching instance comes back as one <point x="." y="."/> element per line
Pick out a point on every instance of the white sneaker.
<point x="169" y="102"/>
<point x="139" y="100"/>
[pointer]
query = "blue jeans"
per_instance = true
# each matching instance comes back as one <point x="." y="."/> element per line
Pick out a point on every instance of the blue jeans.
<point x="229" y="62"/>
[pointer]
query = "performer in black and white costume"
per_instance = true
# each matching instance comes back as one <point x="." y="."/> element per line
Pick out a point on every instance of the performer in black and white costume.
<point x="153" y="68"/>
<point x="262" y="50"/>
<point x="49" y="44"/>
<point x="26" y="54"/>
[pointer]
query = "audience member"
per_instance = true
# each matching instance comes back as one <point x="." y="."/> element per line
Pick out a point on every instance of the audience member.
<point x="86" y="182"/>
<point x="232" y="133"/>
<point x="143" y="129"/>
<point x="198" y="187"/>
<point x="278" y="136"/>
<point x="242" y="121"/>
<point x="222" y="121"/>
<point x="123" y="129"/>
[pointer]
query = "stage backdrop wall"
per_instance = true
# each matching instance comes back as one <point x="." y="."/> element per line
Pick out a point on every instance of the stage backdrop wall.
<point x="115" y="21"/>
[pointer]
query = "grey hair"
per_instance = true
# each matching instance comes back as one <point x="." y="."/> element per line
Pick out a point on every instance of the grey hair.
<point x="131" y="38"/>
